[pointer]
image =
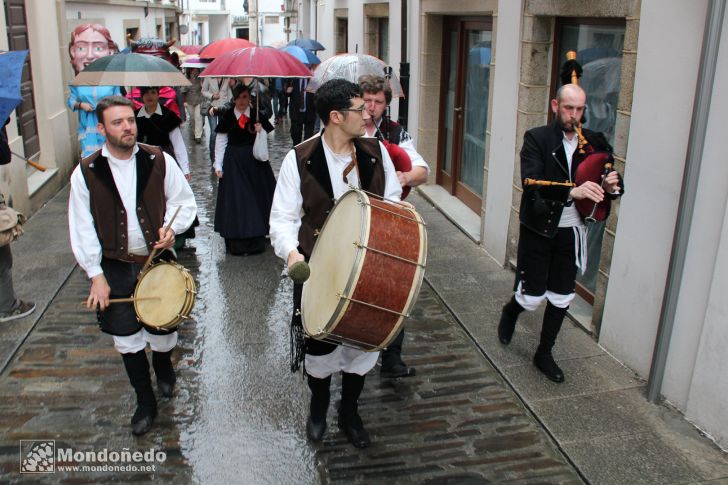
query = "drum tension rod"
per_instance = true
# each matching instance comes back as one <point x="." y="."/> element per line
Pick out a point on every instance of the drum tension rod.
<point x="351" y="343"/>
<point x="372" y="305"/>
<point x="368" y="248"/>
<point x="394" y="213"/>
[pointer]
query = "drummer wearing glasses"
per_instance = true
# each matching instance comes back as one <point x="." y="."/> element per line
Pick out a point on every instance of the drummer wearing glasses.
<point x="313" y="175"/>
<point x="122" y="195"/>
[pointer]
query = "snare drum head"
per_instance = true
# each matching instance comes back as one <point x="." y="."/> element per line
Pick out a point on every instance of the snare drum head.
<point x="163" y="289"/>
<point x="333" y="264"/>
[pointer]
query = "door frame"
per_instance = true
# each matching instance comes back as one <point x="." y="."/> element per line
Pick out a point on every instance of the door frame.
<point x="450" y="181"/>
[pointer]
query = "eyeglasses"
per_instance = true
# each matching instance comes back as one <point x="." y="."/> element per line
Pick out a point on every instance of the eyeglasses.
<point x="360" y="109"/>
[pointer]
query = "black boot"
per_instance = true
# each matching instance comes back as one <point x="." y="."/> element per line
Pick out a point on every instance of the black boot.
<point x="553" y="317"/>
<point x="392" y="364"/>
<point x="507" y="323"/>
<point x="320" y="396"/>
<point x="349" y="420"/>
<point x="166" y="377"/>
<point x="137" y="368"/>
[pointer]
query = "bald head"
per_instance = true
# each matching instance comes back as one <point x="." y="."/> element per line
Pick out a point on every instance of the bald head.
<point x="570" y="90"/>
<point x="568" y="106"/>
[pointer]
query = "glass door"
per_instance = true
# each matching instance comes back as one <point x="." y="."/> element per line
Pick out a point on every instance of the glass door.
<point x="464" y="108"/>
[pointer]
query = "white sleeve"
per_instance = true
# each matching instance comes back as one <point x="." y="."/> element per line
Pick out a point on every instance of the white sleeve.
<point x="221" y="141"/>
<point x="180" y="150"/>
<point x="178" y="193"/>
<point x="84" y="240"/>
<point x="392" y="188"/>
<point x="287" y="209"/>
<point x="417" y="160"/>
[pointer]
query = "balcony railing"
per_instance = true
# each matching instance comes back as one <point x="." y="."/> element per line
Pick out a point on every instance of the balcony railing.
<point x="240" y="20"/>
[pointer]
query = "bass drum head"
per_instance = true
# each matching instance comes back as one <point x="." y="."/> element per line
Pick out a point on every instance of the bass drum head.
<point x="334" y="265"/>
<point x="166" y="286"/>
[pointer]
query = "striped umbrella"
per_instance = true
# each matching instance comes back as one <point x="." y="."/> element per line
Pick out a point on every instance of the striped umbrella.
<point x="130" y="70"/>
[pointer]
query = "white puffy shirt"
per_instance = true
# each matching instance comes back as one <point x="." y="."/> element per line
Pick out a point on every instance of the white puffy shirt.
<point x="84" y="239"/>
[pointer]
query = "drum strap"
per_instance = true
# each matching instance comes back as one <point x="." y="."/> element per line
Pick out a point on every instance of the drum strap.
<point x="351" y="166"/>
<point x="297" y="334"/>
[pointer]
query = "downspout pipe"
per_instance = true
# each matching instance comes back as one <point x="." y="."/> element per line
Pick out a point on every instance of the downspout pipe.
<point x="688" y="193"/>
<point x="404" y="68"/>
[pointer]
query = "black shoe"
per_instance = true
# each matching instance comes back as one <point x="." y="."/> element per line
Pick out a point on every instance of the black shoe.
<point x="507" y="324"/>
<point x="142" y="420"/>
<point x="544" y="361"/>
<point x="397" y="370"/>
<point x="354" y="430"/>
<point x="166" y="389"/>
<point x="315" y="430"/>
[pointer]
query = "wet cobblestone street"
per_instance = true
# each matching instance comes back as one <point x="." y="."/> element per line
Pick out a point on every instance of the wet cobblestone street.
<point x="238" y="415"/>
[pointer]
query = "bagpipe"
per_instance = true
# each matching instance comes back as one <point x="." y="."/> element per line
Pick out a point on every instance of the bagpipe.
<point x="593" y="164"/>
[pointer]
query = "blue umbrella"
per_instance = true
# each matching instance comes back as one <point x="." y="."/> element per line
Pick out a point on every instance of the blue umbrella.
<point x="310" y="44"/>
<point x="303" y="55"/>
<point x="11" y="64"/>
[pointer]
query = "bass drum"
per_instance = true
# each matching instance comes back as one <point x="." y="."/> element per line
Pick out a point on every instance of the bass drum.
<point x="366" y="271"/>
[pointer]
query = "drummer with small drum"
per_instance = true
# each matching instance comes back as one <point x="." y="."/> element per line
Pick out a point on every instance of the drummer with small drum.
<point x="313" y="176"/>
<point x="122" y="198"/>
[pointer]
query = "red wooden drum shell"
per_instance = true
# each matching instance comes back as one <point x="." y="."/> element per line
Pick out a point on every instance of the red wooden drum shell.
<point x="366" y="271"/>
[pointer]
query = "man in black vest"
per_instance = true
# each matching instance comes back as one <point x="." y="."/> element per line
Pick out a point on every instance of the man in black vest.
<point x="122" y="196"/>
<point x="312" y="177"/>
<point x="552" y="241"/>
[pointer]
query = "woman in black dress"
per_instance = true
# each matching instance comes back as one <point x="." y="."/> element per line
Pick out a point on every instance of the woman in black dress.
<point x="159" y="125"/>
<point x="246" y="185"/>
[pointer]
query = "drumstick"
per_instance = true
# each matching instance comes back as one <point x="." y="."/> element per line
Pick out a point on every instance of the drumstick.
<point x="129" y="300"/>
<point x="132" y="299"/>
<point x="154" y="251"/>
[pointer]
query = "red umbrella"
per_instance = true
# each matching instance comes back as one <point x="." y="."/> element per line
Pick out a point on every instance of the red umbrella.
<point x="220" y="47"/>
<point x="190" y="49"/>
<point x="256" y="62"/>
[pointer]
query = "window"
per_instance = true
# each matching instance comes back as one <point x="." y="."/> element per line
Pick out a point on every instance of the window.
<point x="383" y="38"/>
<point x="598" y="44"/>
<point x="599" y="51"/>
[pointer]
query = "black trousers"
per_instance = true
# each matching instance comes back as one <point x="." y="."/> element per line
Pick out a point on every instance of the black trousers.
<point x="120" y="318"/>
<point x="301" y="130"/>
<point x="545" y="263"/>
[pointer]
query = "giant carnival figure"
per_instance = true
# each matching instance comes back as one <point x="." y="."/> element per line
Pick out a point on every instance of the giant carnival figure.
<point x="168" y="97"/>
<point x="88" y="43"/>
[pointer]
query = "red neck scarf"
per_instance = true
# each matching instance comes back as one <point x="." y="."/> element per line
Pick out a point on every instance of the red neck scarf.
<point x="242" y="121"/>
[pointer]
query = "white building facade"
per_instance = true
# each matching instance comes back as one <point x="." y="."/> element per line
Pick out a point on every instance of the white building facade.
<point x="483" y="72"/>
<point x="205" y="21"/>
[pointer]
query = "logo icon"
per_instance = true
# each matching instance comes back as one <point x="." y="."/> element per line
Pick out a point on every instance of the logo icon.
<point x="37" y="456"/>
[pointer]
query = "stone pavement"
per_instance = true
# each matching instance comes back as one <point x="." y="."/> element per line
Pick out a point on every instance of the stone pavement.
<point x="599" y="417"/>
<point x="475" y="413"/>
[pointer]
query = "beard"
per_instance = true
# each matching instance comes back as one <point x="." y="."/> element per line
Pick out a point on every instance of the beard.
<point x="566" y="125"/>
<point x="125" y="141"/>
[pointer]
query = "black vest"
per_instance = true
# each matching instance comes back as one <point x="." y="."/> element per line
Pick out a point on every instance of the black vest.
<point x="107" y="208"/>
<point x="316" y="189"/>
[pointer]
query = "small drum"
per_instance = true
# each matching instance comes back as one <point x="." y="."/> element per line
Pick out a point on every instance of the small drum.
<point x="366" y="271"/>
<point x="164" y="295"/>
